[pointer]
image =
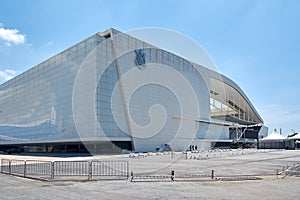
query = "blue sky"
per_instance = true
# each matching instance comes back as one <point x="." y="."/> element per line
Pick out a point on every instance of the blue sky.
<point x="255" y="43"/>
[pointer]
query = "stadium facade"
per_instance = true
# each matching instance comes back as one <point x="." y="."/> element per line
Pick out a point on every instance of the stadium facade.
<point x="112" y="92"/>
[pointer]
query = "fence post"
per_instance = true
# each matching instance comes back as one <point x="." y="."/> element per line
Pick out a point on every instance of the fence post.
<point x="52" y="170"/>
<point x="24" y="168"/>
<point x="90" y="170"/>
<point x="172" y="175"/>
<point x="127" y="169"/>
<point x="131" y="176"/>
<point x="212" y="174"/>
<point x="9" y="166"/>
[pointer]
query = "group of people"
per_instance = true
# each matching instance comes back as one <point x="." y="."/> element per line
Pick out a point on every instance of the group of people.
<point x="193" y="147"/>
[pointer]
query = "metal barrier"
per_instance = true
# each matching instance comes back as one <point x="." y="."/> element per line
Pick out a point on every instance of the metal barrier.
<point x="5" y="166"/>
<point x="18" y="167"/>
<point x="292" y="169"/>
<point x="110" y="169"/>
<point x="47" y="170"/>
<point x="219" y="153"/>
<point x="193" y="177"/>
<point x="71" y="168"/>
<point x="37" y="168"/>
<point x="292" y="173"/>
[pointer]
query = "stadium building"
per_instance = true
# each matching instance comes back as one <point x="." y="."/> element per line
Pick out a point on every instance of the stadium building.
<point x="113" y="92"/>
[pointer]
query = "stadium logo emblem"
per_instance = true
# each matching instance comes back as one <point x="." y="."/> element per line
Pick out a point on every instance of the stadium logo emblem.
<point x="140" y="57"/>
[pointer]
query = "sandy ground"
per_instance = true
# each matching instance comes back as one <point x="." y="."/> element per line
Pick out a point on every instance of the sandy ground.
<point x="264" y="164"/>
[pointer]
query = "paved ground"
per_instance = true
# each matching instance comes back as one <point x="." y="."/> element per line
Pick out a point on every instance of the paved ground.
<point x="259" y="163"/>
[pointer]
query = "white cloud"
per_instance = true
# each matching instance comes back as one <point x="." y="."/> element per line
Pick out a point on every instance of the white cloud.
<point x="10" y="36"/>
<point x="48" y="44"/>
<point x="7" y="74"/>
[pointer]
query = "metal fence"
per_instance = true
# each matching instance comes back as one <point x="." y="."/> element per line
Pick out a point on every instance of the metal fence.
<point x="66" y="170"/>
<point x="292" y="169"/>
<point x="219" y="153"/>
<point x="110" y="168"/>
<point x="191" y="177"/>
<point x="117" y="170"/>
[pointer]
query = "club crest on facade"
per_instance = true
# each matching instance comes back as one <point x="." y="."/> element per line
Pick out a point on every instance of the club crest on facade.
<point x="140" y="59"/>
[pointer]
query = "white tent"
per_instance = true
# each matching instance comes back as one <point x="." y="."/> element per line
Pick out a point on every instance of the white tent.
<point x="293" y="142"/>
<point x="295" y="137"/>
<point x="272" y="141"/>
<point x="274" y="136"/>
